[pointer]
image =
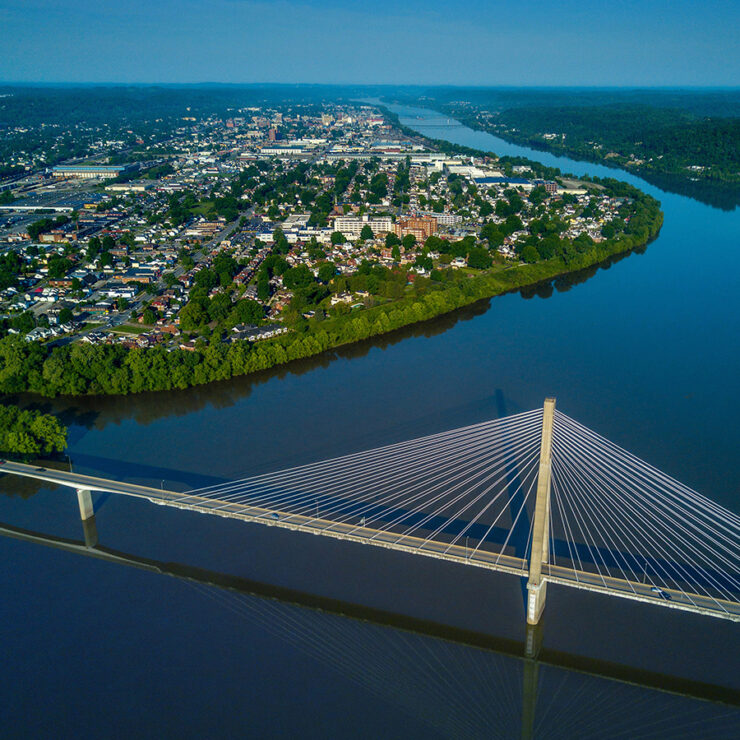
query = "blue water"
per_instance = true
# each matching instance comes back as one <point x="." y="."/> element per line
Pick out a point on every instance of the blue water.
<point x="645" y="353"/>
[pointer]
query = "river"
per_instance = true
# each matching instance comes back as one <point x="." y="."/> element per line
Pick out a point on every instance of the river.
<point x="645" y="352"/>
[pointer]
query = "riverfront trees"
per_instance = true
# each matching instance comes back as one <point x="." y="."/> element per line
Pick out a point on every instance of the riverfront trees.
<point x="30" y="433"/>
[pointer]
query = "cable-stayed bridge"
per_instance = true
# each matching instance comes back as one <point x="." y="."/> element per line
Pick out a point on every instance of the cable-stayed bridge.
<point x="536" y="495"/>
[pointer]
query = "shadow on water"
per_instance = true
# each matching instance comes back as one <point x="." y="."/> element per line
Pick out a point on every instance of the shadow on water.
<point x="136" y="471"/>
<point x="96" y="412"/>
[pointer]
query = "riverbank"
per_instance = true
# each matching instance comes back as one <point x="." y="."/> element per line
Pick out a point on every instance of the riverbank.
<point x="81" y="369"/>
<point x="85" y="370"/>
<point x="721" y="194"/>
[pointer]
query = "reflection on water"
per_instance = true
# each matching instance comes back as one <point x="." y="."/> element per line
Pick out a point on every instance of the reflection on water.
<point x="455" y="683"/>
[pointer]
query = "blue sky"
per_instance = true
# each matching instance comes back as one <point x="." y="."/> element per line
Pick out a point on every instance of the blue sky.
<point x="479" y="42"/>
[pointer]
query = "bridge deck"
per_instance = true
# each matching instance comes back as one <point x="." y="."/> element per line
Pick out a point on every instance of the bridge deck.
<point x="500" y="562"/>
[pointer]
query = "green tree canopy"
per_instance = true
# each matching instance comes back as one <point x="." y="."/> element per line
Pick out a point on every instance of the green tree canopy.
<point x="327" y="270"/>
<point x="65" y="316"/>
<point x="30" y="433"/>
<point x="297" y="277"/>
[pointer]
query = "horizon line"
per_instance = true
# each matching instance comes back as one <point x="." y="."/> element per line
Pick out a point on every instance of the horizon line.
<point x="213" y="83"/>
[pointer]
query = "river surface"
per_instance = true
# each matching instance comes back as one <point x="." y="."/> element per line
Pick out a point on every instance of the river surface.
<point x="645" y="352"/>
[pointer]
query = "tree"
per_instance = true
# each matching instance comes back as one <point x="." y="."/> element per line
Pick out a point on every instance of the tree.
<point x="337" y="237"/>
<point x="538" y="195"/>
<point x="408" y="241"/>
<point x="424" y="262"/>
<point x="391" y="239"/>
<point x="207" y="279"/>
<point x="513" y="223"/>
<point x="491" y="232"/>
<point x="297" y="277"/>
<point x="30" y="433"/>
<point x="396" y="252"/>
<point x="23" y="322"/>
<point x="58" y="266"/>
<point x="185" y="259"/>
<point x="263" y="286"/>
<point x="486" y="209"/>
<point x="106" y="259"/>
<point x="327" y="270"/>
<point x="530" y="254"/>
<point x="108" y="243"/>
<point x="479" y="258"/>
<point x="122" y="304"/>
<point x="149" y="316"/>
<point x="366" y="233"/>
<point x="193" y="315"/>
<point x="93" y="248"/>
<point x="247" y="312"/>
<point x="219" y="307"/>
<point x="225" y="263"/>
<point x="316" y="253"/>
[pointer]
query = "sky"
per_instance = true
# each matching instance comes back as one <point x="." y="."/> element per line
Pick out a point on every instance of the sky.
<point x="426" y="42"/>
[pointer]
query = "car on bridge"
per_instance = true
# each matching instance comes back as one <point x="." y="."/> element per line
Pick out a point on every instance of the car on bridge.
<point x="660" y="592"/>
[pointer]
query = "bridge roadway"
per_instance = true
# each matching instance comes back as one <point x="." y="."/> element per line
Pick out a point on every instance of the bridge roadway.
<point x="553" y="573"/>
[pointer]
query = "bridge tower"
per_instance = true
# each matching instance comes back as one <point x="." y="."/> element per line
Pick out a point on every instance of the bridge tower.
<point x="536" y="585"/>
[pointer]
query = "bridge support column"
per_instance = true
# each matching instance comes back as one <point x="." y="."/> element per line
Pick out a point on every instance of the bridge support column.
<point x="536" y="585"/>
<point x="84" y="499"/>
<point x="90" y="531"/>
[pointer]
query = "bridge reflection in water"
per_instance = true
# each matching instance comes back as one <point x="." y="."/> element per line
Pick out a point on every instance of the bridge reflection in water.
<point x="459" y="683"/>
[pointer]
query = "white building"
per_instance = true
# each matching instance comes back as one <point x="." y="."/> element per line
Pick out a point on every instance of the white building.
<point x="351" y="226"/>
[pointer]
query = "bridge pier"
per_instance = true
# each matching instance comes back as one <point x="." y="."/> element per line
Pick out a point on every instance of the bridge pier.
<point x="87" y="514"/>
<point x="84" y="499"/>
<point x="536" y="596"/>
<point x="536" y="585"/>
<point x="90" y="532"/>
